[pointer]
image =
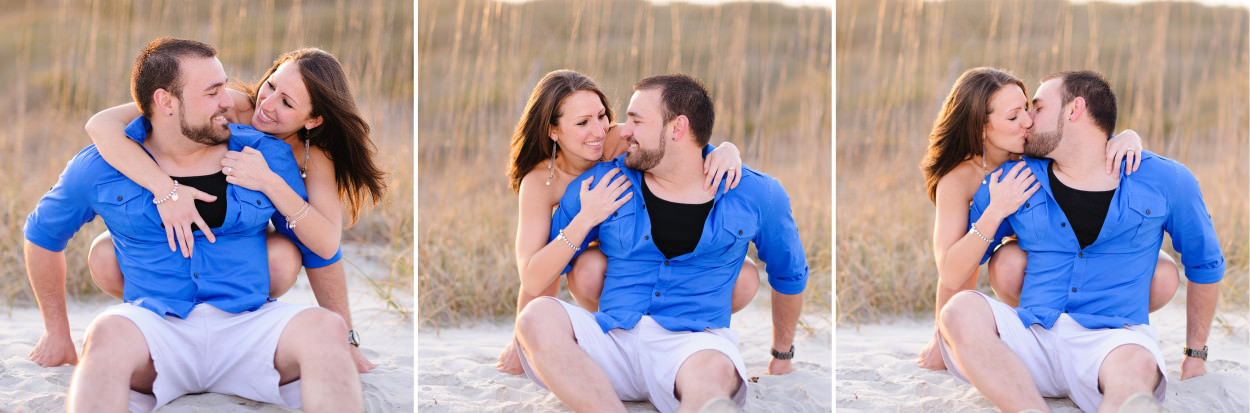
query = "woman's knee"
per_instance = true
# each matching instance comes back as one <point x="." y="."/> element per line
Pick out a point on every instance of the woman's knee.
<point x="285" y="261"/>
<point x="586" y="277"/>
<point x="102" y="264"/>
<point x="1165" y="282"/>
<point x="747" y="285"/>
<point x="1006" y="268"/>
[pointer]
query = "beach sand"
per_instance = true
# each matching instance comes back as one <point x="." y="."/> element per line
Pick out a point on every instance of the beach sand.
<point x="457" y="368"/>
<point x="877" y="373"/>
<point x="386" y="339"/>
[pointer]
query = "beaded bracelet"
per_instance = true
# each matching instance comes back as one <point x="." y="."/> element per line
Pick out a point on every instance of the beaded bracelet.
<point x="171" y="196"/>
<point x="561" y="237"/>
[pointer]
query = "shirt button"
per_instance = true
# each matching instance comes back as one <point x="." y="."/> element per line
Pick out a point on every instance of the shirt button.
<point x="119" y="197"/>
<point x="257" y="202"/>
<point x="1026" y="204"/>
<point x="665" y="262"/>
<point x="1080" y="254"/>
<point x="195" y="275"/>
<point x="613" y="214"/>
<point x="657" y="293"/>
<point x="1147" y="212"/>
<point x="646" y="237"/>
<point x="1073" y="289"/>
<point x="739" y="232"/>
<point x="1063" y="224"/>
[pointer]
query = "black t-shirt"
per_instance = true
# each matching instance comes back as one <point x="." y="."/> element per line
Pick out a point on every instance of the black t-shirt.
<point x="675" y="228"/>
<point x="214" y="213"/>
<point x="1086" y="210"/>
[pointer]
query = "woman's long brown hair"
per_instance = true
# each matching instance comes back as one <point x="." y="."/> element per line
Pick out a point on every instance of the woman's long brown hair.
<point x="343" y="134"/>
<point x="531" y="140"/>
<point x="957" y="133"/>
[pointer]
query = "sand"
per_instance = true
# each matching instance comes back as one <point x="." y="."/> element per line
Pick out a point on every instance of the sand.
<point x="877" y="373"/>
<point x="386" y="338"/>
<point x="457" y="368"/>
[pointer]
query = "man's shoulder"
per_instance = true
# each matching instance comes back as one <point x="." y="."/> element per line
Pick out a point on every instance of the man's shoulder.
<point x="244" y="135"/>
<point x="89" y="162"/>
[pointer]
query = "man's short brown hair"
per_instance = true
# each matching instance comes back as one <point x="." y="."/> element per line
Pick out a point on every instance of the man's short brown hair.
<point x="157" y="68"/>
<point x="683" y="95"/>
<point x="1099" y="99"/>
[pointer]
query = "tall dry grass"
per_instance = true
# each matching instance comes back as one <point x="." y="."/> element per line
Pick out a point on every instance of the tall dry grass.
<point x="767" y="67"/>
<point x="70" y="59"/>
<point x="1179" y="71"/>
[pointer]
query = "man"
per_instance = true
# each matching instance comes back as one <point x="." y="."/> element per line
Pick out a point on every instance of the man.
<point x="674" y="251"/>
<point x="1092" y="239"/>
<point x="204" y="322"/>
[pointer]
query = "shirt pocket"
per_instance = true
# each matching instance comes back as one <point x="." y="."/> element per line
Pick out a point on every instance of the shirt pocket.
<point x="619" y="232"/>
<point x="255" y="208"/>
<point x="1146" y="214"/>
<point x="1034" y="215"/>
<point x="121" y="199"/>
<point x="737" y="228"/>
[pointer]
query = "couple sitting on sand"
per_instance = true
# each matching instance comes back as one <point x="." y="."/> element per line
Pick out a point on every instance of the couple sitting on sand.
<point x="1086" y="268"/>
<point x="204" y="321"/>
<point x="670" y="263"/>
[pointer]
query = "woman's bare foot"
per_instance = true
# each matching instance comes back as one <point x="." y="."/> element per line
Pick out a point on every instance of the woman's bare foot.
<point x="509" y="360"/>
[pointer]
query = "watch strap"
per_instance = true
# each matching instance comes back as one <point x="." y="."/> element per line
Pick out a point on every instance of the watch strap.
<point x="353" y="338"/>
<point x="1198" y="354"/>
<point x="782" y="356"/>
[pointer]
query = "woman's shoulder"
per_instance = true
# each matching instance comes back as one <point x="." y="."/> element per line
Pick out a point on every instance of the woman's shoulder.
<point x="963" y="180"/>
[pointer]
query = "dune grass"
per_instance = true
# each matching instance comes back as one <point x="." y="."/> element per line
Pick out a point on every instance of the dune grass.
<point x="1179" y="71"/>
<point x="72" y="59"/>
<point x="767" y="67"/>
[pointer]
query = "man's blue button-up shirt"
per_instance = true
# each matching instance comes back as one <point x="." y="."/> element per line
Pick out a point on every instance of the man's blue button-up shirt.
<point x="690" y="292"/>
<point x="231" y="274"/>
<point x="1107" y="284"/>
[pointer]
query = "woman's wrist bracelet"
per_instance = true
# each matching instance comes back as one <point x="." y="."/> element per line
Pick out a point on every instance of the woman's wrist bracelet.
<point x="297" y="216"/>
<point x="171" y="196"/>
<point x="561" y="237"/>
<point x="978" y="233"/>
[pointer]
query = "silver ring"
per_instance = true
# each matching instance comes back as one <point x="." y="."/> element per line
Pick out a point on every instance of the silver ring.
<point x="227" y="170"/>
<point x="1130" y="150"/>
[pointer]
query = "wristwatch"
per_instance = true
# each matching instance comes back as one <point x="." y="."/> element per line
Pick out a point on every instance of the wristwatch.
<point x="782" y="356"/>
<point x="353" y="338"/>
<point x="1198" y="354"/>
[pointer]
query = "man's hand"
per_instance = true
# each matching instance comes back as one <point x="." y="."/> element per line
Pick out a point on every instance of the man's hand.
<point x="54" y="350"/>
<point x="363" y="365"/>
<point x="1193" y="367"/>
<point x="931" y="357"/>
<point x="778" y="367"/>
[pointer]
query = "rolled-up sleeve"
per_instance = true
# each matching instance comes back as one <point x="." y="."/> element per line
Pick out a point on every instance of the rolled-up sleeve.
<point x="778" y="242"/>
<point x="1193" y="234"/>
<point x="65" y="208"/>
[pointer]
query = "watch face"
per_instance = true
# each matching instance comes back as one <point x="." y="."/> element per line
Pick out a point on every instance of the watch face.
<point x="353" y="338"/>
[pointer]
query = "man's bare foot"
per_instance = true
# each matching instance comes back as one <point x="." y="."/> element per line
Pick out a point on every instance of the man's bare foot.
<point x="509" y="360"/>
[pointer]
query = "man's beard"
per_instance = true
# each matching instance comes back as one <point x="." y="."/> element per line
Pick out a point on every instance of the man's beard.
<point x="1041" y="144"/>
<point x="644" y="159"/>
<point x="208" y="134"/>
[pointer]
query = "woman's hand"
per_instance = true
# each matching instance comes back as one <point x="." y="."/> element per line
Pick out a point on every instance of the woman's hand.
<point x="247" y="168"/>
<point x="1007" y="195"/>
<point x="178" y="215"/>
<point x="724" y="162"/>
<point x="1126" y="145"/>
<point x="605" y="198"/>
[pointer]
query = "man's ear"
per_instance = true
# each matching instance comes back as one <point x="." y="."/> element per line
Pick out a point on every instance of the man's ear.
<point x="163" y="102"/>
<point x="1078" y="109"/>
<point x="681" y="127"/>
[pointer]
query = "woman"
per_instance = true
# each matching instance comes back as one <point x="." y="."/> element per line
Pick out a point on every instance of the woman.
<point x="982" y="124"/>
<point x="565" y="129"/>
<point x="305" y="101"/>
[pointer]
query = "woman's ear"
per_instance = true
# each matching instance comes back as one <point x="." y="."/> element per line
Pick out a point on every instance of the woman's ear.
<point x="312" y="123"/>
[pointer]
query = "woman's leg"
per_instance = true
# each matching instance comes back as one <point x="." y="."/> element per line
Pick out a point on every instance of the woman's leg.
<point x="1007" y="273"/>
<point x="747" y="285"/>
<point x="102" y="261"/>
<point x="1163" y="285"/>
<point x="285" y="261"/>
<point x="586" y="278"/>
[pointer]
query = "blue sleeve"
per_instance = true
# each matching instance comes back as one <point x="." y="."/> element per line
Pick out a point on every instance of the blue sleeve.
<point x="1193" y="235"/>
<point x="137" y="129"/>
<point x="283" y="163"/>
<point x="778" y="242"/>
<point x="66" y="207"/>
<point x="980" y="201"/>
<point x="570" y="205"/>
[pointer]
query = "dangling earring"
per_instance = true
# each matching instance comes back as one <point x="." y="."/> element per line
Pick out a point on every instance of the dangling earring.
<point x="551" y="167"/>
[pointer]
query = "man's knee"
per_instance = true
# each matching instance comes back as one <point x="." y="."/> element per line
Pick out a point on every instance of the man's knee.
<point x="966" y="313"/>
<point x="115" y="336"/>
<point x="317" y="324"/>
<point x="707" y="369"/>
<point x="542" y="320"/>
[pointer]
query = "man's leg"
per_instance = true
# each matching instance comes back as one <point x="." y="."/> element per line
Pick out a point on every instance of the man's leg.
<point x="967" y="325"/>
<point x="115" y="359"/>
<point x="1127" y="370"/>
<point x="546" y="335"/>
<point x="705" y="375"/>
<point x="313" y="349"/>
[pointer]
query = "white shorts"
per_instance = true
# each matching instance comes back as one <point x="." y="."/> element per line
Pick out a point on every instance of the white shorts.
<point x="212" y="351"/>
<point x="642" y="362"/>
<point x="1064" y="360"/>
